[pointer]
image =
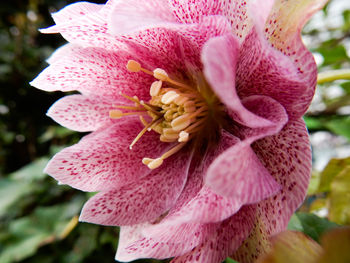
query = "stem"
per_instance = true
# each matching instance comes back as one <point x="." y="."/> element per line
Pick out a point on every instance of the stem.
<point x="332" y="75"/>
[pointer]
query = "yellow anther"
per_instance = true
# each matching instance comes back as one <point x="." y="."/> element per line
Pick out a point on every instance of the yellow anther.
<point x="160" y="74"/>
<point x="168" y="97"/>
<point x="146" y="161"/>
<point x="180" y="100"/>
<point x="115" y="114"/>
<point x="133" y="66"/>
<point x="183" y="136"/>
<point x="181" y="122"/>
<point x="155" y="88"/>
<point x="155" y="163"/>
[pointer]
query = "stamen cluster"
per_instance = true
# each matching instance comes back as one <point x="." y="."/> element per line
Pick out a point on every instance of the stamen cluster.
<point x="176" y="111"/>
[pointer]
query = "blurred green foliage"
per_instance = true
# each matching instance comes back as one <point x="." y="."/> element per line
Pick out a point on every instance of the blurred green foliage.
<point x="38" y="218"/>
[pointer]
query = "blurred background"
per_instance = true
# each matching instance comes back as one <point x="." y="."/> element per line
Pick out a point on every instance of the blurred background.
<point x="39" y="219"/>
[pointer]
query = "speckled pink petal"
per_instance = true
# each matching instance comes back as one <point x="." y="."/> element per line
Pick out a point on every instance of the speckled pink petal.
<point x="228" y="236"/>
<point x="188" y="11"/>
<point x="266" y="108"/>
<point x="84" y="25"/>
<point x="238" y="172"/>
<point x="134" y="15"/>
<point x="175" y="239"/>
<point x="177" y="48"/>
<point x="203" y="207"/>
<point x="266" y="71"/>
<point x="94" y="71"/>
<point x="142" y="201"/>
<point x="74" y="11"/>
<point x="103" y="161"/>
<point x="81" y="113"/>
<point x="288" y="19"/>
<point x="219" y="57"/>
<point x="287" y="156"/>
<point x="63" y="51"/>
<point x="134" y="245"/>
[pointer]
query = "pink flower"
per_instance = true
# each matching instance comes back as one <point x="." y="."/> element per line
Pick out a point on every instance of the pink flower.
<point x="211" y="157"/>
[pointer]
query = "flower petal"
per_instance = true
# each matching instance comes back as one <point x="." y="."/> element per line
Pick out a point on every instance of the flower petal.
<point x="94" y="71"/>
<point x="134" y="245"/>
<point x="288" y="19"/>
<point x="85" y="25"/>
<point x="81" y="113"/>
<point x="266" y="71"/>
<point x="142" y="201"/>
<point x="65" y="50"/>
<point x="74" y="11"/>
<point x="219" y="57"/>
<point x="103" y="160"/>
<point x="133" y="15"/>
<point x="287" y="156"/>
<point x="238" y="174"/>
<point x="193" y="12"/>
<point x="201" y="205"/>
<point x="224" y="241"/>
<point x="266" y="108"/>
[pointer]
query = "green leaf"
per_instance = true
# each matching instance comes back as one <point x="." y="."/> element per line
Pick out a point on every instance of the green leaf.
<point x="45" y="225"/>
<point x="346" y="86"/>
<point x="339" y="197"/>
<point x="230" y="260"/>
<point x="314" y="183"/>
<point x="291" y="247"/>
<point x="313" y="123"/>
<point x="32" y="171"/>
<point x="332" y="54"/>
<point x="333" y="168"/>
<point x="340" y="126"/>
<point x="11" y="191"/>
<point x="310" y="224"/>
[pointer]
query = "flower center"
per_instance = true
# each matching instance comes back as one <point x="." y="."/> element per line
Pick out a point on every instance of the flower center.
<point x="177" y="111"/>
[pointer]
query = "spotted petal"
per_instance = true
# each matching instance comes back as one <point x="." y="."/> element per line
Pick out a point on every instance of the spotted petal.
<point x="103" y="161"/>
<point x="219" y="57"/>
<point x="141" y="201"/>
<point x="81" y="113"/>
<point x="133" y="15"/>
<point x="287" y="156"/>
<point x="94" y="71"/>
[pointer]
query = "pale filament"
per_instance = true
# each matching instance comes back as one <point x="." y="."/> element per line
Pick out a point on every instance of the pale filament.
<point x="177" y="112"/>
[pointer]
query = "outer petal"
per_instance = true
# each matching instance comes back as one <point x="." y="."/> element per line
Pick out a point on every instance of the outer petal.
<point x="176" y="48"/>
<point x="85" y="24"/>
<point x="224" y="241"/>
<point x="173" y="239"/>
<point x="103" y="160"/>
<point x="142" y="201"/>
<point x="188" y="11"/>
<point x="287" y="156"/>
<point x="74" y="11"/>
<point x="264" y="70"/>
<point x="219" y="58"/>
<point x="94" y="71"/>
<point x="133" y="15"/>
<point x="81" y="113"/>
<point x="133" y="245"/>
<point x="63" y="51"/>
<point x="238" y="173"/>
<point x="288" y="18"/>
